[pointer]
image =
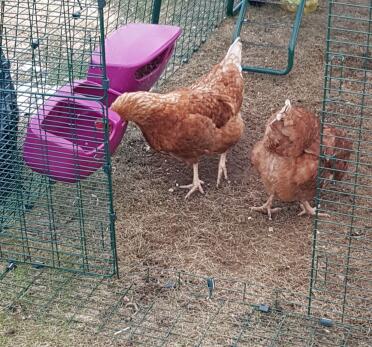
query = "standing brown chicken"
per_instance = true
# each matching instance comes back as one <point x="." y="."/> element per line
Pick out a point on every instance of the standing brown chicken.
<point x="287" y="157"/>
<point x="203" y="119"/>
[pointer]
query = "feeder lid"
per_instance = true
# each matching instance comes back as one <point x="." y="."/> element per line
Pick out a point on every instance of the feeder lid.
<point x="136" y="44"/>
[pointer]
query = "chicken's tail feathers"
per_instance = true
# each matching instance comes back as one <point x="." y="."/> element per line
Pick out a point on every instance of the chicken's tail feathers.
<point x="234" y="54"/>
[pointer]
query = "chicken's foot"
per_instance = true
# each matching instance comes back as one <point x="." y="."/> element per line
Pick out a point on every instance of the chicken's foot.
<point x="222" y="168"/>
<point x="196" y="184"/>
<point x="310" y="211"/>
<point x="266" y="207"/>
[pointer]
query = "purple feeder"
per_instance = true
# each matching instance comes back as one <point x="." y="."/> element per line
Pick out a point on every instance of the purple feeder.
<point x="65" y="140"/>
<point x="136" y="56"/>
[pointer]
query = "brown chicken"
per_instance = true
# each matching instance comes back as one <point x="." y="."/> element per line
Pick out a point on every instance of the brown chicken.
<point x="203" y="119"/>
<point x="287" y="157"/>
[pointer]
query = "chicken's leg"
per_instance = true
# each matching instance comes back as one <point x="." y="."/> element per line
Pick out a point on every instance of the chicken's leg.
<point x="266" y="207"/>
<point x="310" y="211"/>
<point x="222" y="168"/>
<point x="196" y="183"/>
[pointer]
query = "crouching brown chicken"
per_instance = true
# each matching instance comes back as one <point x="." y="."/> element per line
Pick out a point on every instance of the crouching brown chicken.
<point x="202" y="119"/>
<point x="287" y="157"/>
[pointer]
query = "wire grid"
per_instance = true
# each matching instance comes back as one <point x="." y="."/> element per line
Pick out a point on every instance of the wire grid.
<point x="341" y="281"/>
<point x="155" y="307"/>
<point x="68" y="226"/>
<point x="49" y="45"/>
<point x="8" y="132"/>
<point x="197" y="18"/>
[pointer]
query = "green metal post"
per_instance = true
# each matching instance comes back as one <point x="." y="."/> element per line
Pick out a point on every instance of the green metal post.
<point x="292" y="42"/>
<point x="230" y="8"/>
<point x="294" y="36"/>
<point x="107" y="167"/>
<point x="156" y="11"/>
<point x="240" y="21"/>
<point x="315" y="231"/>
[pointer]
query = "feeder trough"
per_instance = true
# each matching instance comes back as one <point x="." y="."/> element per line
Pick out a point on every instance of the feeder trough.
<point x="89" y="89"/>
<point x="65" y="140"/>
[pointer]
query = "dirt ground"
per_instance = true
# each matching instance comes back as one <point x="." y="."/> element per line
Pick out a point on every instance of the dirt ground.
<point x="216" y="233"/>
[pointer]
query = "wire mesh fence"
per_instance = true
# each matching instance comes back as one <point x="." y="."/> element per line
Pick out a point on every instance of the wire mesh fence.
<point x="341" y="281"/>
<point x="58" y="209"/>
<point x="47" y="46"/>
<point x="170" y="308"/>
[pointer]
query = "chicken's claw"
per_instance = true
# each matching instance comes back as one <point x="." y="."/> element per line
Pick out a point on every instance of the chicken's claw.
<point x="266" y="207"/>
<point x="267" y="210"/>
<point x="222" y="169"/>
<point x="196" y="183"/>
<point x="310" y="211"/>
<point x="193" y="187"/>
